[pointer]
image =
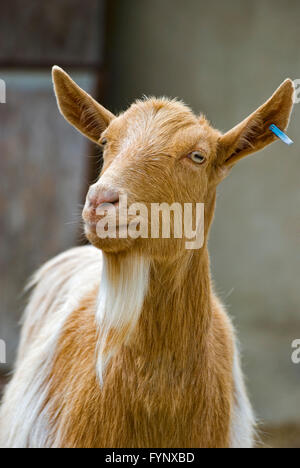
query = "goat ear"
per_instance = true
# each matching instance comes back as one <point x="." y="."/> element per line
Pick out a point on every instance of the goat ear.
<point x="78" y="107"/>
<point x="254" y="133"/>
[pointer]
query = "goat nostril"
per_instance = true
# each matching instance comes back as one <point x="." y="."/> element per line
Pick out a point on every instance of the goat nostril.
<point x="99" y="198"/>
<point x="109" y="196"/>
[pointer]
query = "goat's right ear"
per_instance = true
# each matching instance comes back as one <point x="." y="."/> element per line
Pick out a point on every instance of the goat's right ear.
<point x="254" y="133"/>
<point x="78" y="107"/>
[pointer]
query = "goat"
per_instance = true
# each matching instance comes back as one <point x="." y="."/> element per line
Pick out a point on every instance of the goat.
<point x="124" y="343"/>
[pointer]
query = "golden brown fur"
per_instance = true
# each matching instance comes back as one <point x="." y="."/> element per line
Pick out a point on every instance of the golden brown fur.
<point x="169" y="355"/>
<point x="172" y="379"/>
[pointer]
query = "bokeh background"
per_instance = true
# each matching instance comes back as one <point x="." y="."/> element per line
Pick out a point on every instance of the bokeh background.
<point x="223" y="59"/>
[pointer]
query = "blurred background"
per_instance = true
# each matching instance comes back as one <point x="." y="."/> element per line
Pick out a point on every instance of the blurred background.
<point x="221" y="58"/>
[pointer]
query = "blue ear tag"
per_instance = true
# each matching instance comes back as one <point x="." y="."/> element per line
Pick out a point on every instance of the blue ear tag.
<point x="280" y="134"/>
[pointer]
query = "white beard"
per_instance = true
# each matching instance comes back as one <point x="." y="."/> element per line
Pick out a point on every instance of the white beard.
<point x="122" y="292"/>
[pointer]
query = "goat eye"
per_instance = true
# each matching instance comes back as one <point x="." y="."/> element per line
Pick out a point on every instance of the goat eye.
<point x="197" y="157"/>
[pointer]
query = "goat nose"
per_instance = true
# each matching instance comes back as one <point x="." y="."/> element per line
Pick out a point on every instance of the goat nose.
<point x="98" y="197"/>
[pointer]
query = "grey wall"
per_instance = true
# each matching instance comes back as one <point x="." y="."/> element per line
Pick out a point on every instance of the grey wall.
<point x="42" y="176"/>
<point x="225" y="59"/>
<point x="44" y="163"/>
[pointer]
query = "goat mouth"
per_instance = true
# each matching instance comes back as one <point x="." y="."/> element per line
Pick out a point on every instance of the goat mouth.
<point x="91" y="227"/>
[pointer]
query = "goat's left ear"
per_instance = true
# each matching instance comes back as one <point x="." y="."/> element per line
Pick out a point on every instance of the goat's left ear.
<point x="254" y="133"/>
<point x="78" y="107"/>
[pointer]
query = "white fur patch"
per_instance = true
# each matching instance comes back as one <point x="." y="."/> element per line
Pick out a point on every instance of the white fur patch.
<point x="243" y="423"/>
<point x="122" y="292"/>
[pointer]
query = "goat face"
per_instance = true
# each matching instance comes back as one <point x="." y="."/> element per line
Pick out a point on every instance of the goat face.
<point x="156" y="152"/>
<point x="159" y="152"/>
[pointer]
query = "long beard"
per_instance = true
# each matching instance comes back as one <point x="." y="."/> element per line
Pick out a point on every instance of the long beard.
<point x="122" y="292"/>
